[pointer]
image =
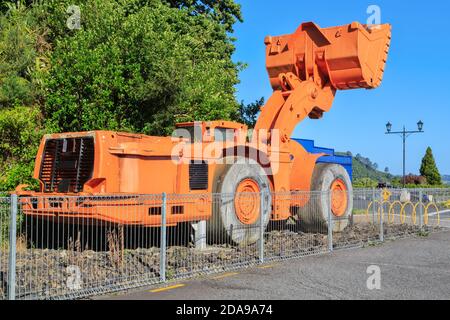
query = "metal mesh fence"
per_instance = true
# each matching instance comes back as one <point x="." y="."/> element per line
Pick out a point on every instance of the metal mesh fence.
<point x="304" y="233"/>
<point x="437" y="207"/>
<point x="357" y="227"/>
<point x="402" y="212"/>
<point x="69" y="247"/>
<point x="218" y="244"/>
<point x="4" y="245"/>
<point x="72" y="247"/>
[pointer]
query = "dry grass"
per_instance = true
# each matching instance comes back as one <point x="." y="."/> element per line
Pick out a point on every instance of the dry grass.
<point x="21" y="243"/>
<point x="74" y="250"/>
<point x="115" y="239"/>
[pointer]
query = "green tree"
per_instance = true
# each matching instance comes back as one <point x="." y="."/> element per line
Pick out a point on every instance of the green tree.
<point x="226" y="12"/>
<point x="140" y="68"/>
<point x="429" y="170"/>
<point x="6" y="5"/>
<point x="24" y="55"/>
<point x="135" y="65"/>
<point x="248" y="113"/>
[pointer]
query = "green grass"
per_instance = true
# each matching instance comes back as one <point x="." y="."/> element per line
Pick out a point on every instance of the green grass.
<point x="374" y="244"/>
<point x="446" y="204"/>
<point x="359" y="212"/>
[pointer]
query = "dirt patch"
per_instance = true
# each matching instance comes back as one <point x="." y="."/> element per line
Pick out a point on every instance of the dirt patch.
<point x="368" y="232"/>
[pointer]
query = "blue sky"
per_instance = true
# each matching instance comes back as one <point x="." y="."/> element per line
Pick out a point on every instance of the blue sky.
<point x="415" y="85"/>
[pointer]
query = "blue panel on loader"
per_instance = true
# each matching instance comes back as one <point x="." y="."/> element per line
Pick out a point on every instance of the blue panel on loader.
<point x="345" y="161"/>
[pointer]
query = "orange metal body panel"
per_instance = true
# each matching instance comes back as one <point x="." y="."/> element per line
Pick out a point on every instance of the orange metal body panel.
<point x="305" y="69"/>
<point x="116" y="209"/>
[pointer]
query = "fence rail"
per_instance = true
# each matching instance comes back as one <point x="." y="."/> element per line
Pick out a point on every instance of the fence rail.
<point x="72" y="247"/>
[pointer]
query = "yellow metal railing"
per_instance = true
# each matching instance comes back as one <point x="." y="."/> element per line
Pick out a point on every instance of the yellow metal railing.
<point x="392" y="212"/>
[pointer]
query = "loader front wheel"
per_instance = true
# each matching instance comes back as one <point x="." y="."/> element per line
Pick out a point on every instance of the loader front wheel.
<point x="314" y="216"/>
<point x="237" y="202"/>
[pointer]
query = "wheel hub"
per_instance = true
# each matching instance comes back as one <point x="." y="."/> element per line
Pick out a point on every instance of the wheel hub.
<point x="247" y="201"/>
<point x="339" y="199"/>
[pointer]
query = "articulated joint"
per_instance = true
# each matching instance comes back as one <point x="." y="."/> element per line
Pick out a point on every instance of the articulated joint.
<point x="289" y="81"/>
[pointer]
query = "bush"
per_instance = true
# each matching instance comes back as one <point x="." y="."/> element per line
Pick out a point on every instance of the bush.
<point x="447" y="204"/>
<point x="20" y="133"/>
<point x="415" y="180"/>
<point x="365" y="183"/>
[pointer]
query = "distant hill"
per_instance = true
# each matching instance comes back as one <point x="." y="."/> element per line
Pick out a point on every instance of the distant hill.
<point x="364" y="168"/>
<point x="446" y="178"/>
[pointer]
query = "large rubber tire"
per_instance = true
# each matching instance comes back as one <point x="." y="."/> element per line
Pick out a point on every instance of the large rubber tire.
<point x="225" y="225"/>
<point x="314" y="216"/>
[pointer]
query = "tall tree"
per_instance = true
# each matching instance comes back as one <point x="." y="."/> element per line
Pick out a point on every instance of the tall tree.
<point x="226" y="12"/>
<point x="248" y="113"/>
<point x="429" y="170"/>
<point x="23" y="52"/>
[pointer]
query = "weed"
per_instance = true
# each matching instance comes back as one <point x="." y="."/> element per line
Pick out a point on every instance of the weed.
<point x="423" y="233"/>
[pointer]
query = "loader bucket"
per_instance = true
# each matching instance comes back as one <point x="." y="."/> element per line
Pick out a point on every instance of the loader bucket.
<point x="350" y="56"/>
<point x="357" y="55"/>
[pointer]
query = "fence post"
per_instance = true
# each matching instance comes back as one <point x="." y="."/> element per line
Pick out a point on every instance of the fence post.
<point x="420" y="209"/>
<point x="330" y="223"/>
<point x="382" y="224"/>
<point x="261" y="227"/>
<point x="12" y="248"/>
<point x="200" y="234"/>
<point x="163" y="244"/>
<point x="373" y="206"/>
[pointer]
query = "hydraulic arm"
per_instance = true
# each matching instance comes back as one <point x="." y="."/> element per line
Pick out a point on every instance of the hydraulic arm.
<point x="306" y="69"/>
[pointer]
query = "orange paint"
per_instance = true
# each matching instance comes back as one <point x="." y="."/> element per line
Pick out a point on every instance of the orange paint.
<point x="305" y="69"/>
<point x="338" y="198"/>
<point x="247" y="201"/>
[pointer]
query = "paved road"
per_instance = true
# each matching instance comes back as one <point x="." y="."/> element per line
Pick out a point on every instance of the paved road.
<point x="416" y="268"/>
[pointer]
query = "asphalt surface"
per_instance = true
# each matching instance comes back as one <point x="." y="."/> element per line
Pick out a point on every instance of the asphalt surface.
<point x="414" y="268"/>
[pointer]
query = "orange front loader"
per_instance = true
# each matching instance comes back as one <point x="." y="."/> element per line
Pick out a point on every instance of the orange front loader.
<point x="305" y="69"/>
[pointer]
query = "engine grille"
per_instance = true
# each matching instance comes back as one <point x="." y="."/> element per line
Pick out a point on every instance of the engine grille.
<point x="198" y="175"/>
<point x="67" y="164"/>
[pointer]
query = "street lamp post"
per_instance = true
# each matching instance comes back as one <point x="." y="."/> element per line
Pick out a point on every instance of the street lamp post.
<point x="404" y="134"/>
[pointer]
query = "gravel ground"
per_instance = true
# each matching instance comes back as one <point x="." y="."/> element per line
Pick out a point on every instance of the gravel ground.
<point x="44" y="273"/>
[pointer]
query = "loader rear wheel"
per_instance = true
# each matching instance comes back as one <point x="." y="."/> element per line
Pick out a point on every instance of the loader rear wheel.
<point x="237" y="202"/>
<point x="328" y="177"/>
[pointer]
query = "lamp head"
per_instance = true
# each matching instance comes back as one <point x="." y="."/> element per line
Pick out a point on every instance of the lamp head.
<point x="420" y="126"/>
<point x="389" y="127"/>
